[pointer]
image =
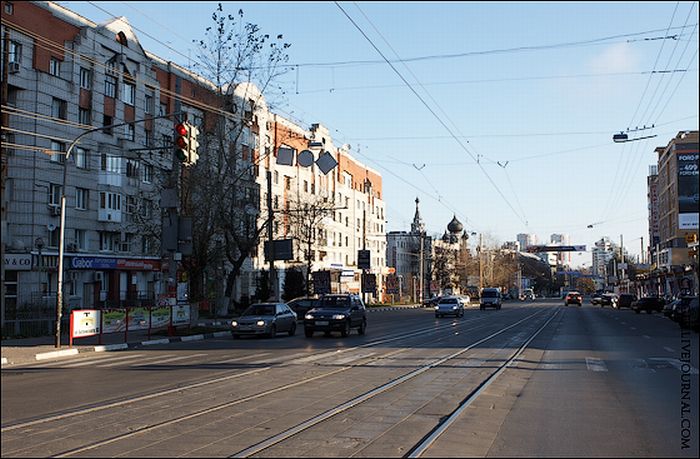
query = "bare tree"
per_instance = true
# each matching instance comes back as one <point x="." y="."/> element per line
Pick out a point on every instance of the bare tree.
<point x="305" y="216"/>
<point x="222" y="195"/>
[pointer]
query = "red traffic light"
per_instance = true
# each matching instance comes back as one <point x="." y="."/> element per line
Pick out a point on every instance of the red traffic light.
<point x="181" y="129"/>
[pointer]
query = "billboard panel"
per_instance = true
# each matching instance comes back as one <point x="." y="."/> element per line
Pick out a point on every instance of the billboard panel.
<point x="688" y="193"/>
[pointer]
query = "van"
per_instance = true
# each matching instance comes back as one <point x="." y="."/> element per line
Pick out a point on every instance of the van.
<point x="490" y="298"/>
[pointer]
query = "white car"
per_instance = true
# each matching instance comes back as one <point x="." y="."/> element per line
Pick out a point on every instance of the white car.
<point x="450" y="306"/>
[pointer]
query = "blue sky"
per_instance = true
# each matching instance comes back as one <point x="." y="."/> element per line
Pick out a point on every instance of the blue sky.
<point x="546" y="115"/>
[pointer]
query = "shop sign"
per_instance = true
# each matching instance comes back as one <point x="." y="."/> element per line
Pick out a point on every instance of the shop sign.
<point x="18" y="261"/>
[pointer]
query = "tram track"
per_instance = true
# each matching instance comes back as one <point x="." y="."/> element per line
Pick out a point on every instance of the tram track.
<point x="300" y="427"/>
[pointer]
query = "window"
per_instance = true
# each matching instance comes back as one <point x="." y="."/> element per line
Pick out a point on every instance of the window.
<point x="85" y="78"/>
<point x="54" y="194"/>
<point x="148" y="138"/>
<point x="287" y="183"/>
<point x="110" y="201"/>
<point x="277" y="176"/>
<point x="163" y="109"/>
<point x="55" y="67"/>
<point x="130" y="132"/>
<point x="107" y="121"/>
<point x="130" y="205"/>
<point x="110" y="163"/>
<point x="81" y="158"/>
<point x="81" y="198"/>
<point x="110" y="86"/>
<point x="129" y="93"/>
<point x="147" y="208"/>
<point x="306" y="186"/>
<point x="85" y="116"/>
<point x="54" y="237"/>
<point x="58" y="108"/>
<point x="125" y="244"/>
<point x="148" y="173"/>
<point x="58" y="148"/>
<point x="313" y="188"/>
<point x="148" y="104"/>
<point x="132" y="168"/>
<point x="15" y="52"/>
<point x="80" y="239"/>
<point x="9" y="8"/>
<point x="109" y="241"/>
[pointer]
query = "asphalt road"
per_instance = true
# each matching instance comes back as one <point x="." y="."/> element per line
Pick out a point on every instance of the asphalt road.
<point x="532" y="379"/>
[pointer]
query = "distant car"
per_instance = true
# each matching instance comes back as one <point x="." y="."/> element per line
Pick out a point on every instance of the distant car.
<point x="690" y="318"/>
<point x="431" y="302"/>
<point x="596" y="298"/>
<point x="625" y="300"/>
<point x="302" y="305"/>
<point x="649" y="304"/>
<point x="682" y="309"/>
<point x="338" y="312"/>
<point x="266" y="319"/>
<point x="450" y="306"/>
<point x="608" y="299"/>
<point x="490" y="298"/>
<point x="669" y="307"/>
<point x="573" y="298"/>
<point x="527" y="295"/>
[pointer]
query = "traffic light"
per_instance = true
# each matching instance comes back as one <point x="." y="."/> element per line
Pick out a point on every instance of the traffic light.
<point x="182" y="141"/>
<point x="193" y="145"/>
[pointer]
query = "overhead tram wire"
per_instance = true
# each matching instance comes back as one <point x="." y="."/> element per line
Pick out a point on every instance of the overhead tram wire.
<point x="612" y="195"/>
<point x="428" y="107"/>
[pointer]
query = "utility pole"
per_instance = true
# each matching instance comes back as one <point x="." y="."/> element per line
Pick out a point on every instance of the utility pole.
<point x="270" y="237"/>
<point x="422" y="273"/>
<point x="364" y="247"/>
<point x="481" y="268"/>
<point x="3" y="170"/>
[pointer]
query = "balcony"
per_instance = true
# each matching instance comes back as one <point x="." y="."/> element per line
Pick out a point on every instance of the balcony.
<point x="110" y="178"/>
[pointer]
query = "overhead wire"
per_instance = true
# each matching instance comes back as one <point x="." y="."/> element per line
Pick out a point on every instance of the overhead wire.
<point x="440" y="120"/>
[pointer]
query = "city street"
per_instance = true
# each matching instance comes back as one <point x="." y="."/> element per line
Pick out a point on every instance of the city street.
<point x="531" y="379"/>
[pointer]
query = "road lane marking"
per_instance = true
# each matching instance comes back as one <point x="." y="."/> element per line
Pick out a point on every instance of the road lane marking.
<point x="238" y="359"/>
<point x="594" y="364"/>
<point x="668" y="349"/>
<point x="351" y="358"/>
<point x="647" y="336"/>
<point x="155" y="357"/>
<point x="102" y="360"/>
<point x="676" y="363"/>
<point x="174" y="359"/>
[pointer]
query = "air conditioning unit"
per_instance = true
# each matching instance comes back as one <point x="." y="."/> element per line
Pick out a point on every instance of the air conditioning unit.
<point x="98" y="276"/>
<point x="13" y="67"/>
<point x="54" y="210"/>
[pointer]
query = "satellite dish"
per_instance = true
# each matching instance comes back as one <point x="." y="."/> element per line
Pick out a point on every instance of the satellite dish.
<point x="51" y="227"/>
<point x="305" y="158"/>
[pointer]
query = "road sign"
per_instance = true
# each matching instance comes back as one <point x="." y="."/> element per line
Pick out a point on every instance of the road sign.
<point x="283" y="250"/>
<point x="555" y="248"/>
<point x="363" y="259"/>
<point x="322" y="282"/>
<point x="392" y="284"/>
<point x="369" y="283"/>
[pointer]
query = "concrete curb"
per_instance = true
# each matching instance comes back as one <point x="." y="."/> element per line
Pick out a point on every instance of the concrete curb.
<point x="221" y="334"/>
<point x="156" y="341"/>
<point x="55" y="354"/>
<point x="192" y="338"/>
<point x="111" y="347"/>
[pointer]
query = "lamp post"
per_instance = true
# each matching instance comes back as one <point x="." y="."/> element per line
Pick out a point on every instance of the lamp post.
<point x="61" y="243"/>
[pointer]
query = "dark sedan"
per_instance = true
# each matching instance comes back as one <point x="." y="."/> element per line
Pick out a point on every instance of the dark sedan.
<point x="340" y="312"/>
<point x="608" y="299"/>
<point x="302" y="305"/>
<point x="649" y="304"/>
<point x="625" y="300"/>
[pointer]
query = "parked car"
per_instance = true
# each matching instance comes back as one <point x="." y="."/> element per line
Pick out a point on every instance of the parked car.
<point x="596" y="298"/>
<point x="265" y="319"/>
<point x="431" y="302"/>
<point x="490" y="298"/>
<point x="690" y="318"/>
<point x="302" y="305"/>
<point x="450" y="305"/>
<point x="681" y="309"/>
<point x="573" y="298"/>
<point x="608" y="299"/>
<point x="649" y="304"/>
<point x="625" y="300"/>
<point x="338" y="312"/>
<point x="669" y="307"/>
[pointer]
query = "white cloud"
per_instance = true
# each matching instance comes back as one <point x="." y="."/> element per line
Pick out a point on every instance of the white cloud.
<point x="619" y="57"/>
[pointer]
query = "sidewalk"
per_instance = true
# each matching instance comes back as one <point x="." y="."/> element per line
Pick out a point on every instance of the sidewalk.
<point x="27" y="350"/>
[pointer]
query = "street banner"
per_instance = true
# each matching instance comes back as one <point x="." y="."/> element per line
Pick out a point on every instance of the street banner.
<point x="138" y="319"/>
<point x="85" y="322"/>
<point x="113" y="320"/>
<point x="363" y="259"/>
<point x="322" y="282"/>
<point x="392" y="284"/>
<point x="688" y="190"/>
<point x="181" y="314"/>
<point x="160" y="317"/>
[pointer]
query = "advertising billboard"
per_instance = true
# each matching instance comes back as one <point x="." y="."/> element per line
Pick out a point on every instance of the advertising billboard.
<point x="688" y="194"/>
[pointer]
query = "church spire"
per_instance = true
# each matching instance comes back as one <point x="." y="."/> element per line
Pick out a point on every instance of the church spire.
<point x="417" y="226"/>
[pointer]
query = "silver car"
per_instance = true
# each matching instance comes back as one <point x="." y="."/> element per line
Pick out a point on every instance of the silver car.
<point x="450" y="305"/>
<point x="265" y="319"/>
